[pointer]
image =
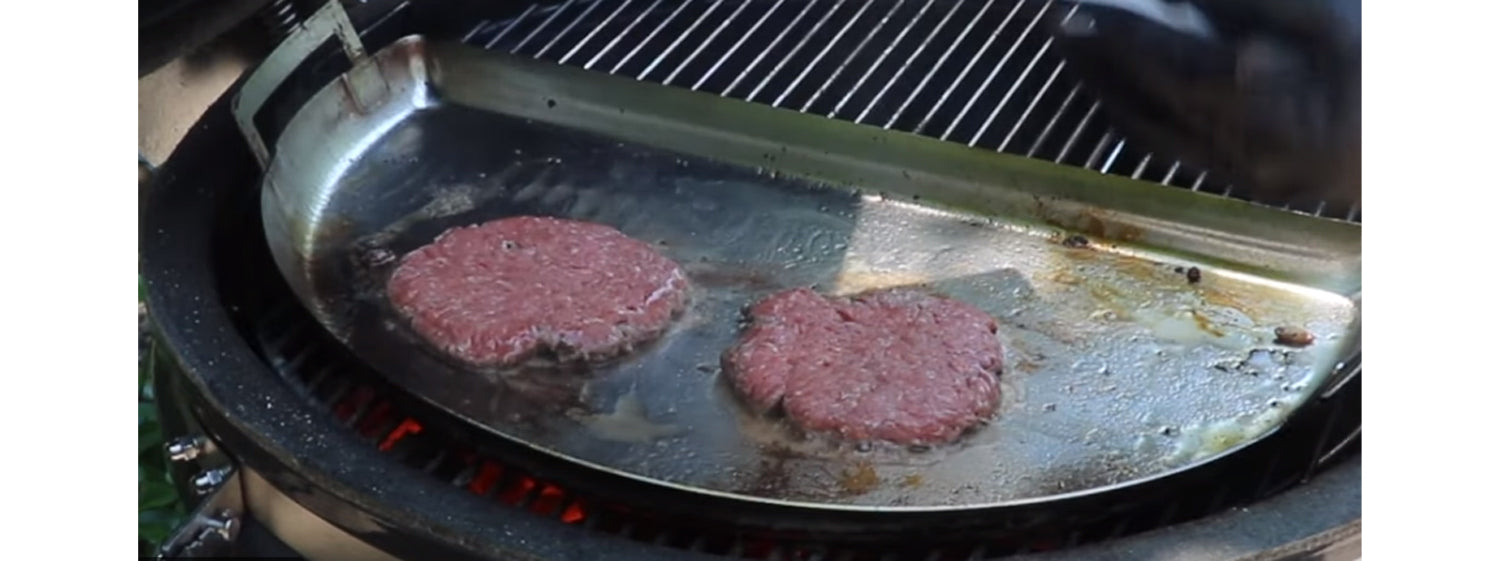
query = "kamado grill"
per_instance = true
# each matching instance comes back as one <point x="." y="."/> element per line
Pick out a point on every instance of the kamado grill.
<point x="313" y="426"/>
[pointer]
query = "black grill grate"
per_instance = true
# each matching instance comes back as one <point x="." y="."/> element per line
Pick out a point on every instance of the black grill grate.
<point x="978" y="72"/>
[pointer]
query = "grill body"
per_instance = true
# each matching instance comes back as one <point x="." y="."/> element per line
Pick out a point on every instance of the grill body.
<point x="248" y="371"/>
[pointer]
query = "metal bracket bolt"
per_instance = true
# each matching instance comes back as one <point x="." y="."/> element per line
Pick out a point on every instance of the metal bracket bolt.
<point x="207" y="481"/>
<point x="225" y="523"/>
<point x="185" y="448"/>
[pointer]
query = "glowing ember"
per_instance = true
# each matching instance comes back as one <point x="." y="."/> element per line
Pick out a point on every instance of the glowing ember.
<point x="408" y="427"/>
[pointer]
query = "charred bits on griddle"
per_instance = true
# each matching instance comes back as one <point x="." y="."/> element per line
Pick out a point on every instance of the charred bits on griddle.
<point x="1293" y="336"/>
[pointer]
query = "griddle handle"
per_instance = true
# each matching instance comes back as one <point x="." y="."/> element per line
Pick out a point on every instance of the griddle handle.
<point x="328" y="22"/>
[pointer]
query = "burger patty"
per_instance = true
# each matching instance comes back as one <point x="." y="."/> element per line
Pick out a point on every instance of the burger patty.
<point x="502" y="292"/>
<point x="897" y="365"/>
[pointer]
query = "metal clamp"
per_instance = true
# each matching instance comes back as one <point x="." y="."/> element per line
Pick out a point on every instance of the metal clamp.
<point x="214" y="525"/>
<point x="209" y="481"/>
<point x="330" y="21"/>
<point x="186" y="448"/>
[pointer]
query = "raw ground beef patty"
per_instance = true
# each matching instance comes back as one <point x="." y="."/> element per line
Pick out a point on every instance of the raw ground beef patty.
<point x="501" y="292"/>
<point x="897" y="365"/>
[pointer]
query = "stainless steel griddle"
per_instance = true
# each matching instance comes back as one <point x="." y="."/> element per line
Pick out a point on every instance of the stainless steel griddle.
<point x="1118" y="368"/>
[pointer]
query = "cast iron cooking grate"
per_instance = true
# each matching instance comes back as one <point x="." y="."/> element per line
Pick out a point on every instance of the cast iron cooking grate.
<point x="978" y="72"/>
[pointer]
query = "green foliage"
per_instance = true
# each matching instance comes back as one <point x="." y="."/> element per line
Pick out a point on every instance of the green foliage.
<point x="160" y="507"/>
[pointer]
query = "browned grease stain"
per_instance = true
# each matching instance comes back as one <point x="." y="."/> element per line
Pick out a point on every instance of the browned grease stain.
<point x="912" y="481"/>
<point x="1027" y="365"/>
<point x="772" y="478"/>
<point x="720" y="275"/>
<point x="1240" y="299"/>
<point x="1065" y="277"/>
<point x="1206" y="325"/>
<point x="859" y="480"/>
<point x="1099" y="225"/>
<point x="1107" y="294"/>
<point x="1131" y="281"/>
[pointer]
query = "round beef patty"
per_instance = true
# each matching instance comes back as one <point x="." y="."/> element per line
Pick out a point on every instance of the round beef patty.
<point x="897" y="365"/>
<point x="502" y="292"/>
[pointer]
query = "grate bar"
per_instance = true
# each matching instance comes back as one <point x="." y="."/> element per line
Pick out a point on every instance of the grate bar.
<point x="1067" y="102"/>
<point x="942" y="59"/>
<point x="472" y="32"/>
<point x="990" y="120"/>
<point x="881" y="59"/>
<point x="1113" y="156"/>
<point x="909" y="60"/>
<point x="852" y="54"/>
<point x="529" y="36"/>
<point x="1198" y="183"/>
<point x="942" y="100"/>
<point x="774" y="42"/>
<point x="569" y="28"/>
<point x="1078" y="130"/>
<point x="677" y="42"/>
<point x="1171" y="173"/>
<point x="437" y="460"/>
<point x="1098" y="151"/>
<point x="1141" y="167"/>
<point x="590" y="37"/>
<point x="1340" y="447"/>
<point x="511" y="27"/>
<point x="819" y="57"/>
<point x="714" y="35"/>
<point x="466" y="475"/>
<point x="310" y="387"/>
<point x="295" y="362"/>
<point x="532" y="495"/>
<point x="796" y="49"/>
<point x="647" y="40"/>
<point x="1046" y="87"/>
<point x="616" y="41"/>
<point x="984" y="86"/>
<point x="737" y="44"/>
<point x="360" y="412"/>
<point x="345" y="385"/>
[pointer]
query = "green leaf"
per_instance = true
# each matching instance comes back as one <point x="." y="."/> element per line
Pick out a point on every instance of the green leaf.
<point x="157" y="524"/>
<point x="161" y="510"/>
<point x="148" y="374"/>
<point x="157" y="494"/>
<point x="151" y="437"/>
<point x="146" y="413"/>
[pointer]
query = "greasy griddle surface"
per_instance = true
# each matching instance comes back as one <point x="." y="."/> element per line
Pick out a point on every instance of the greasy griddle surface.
<point x="1116" y="366"/>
